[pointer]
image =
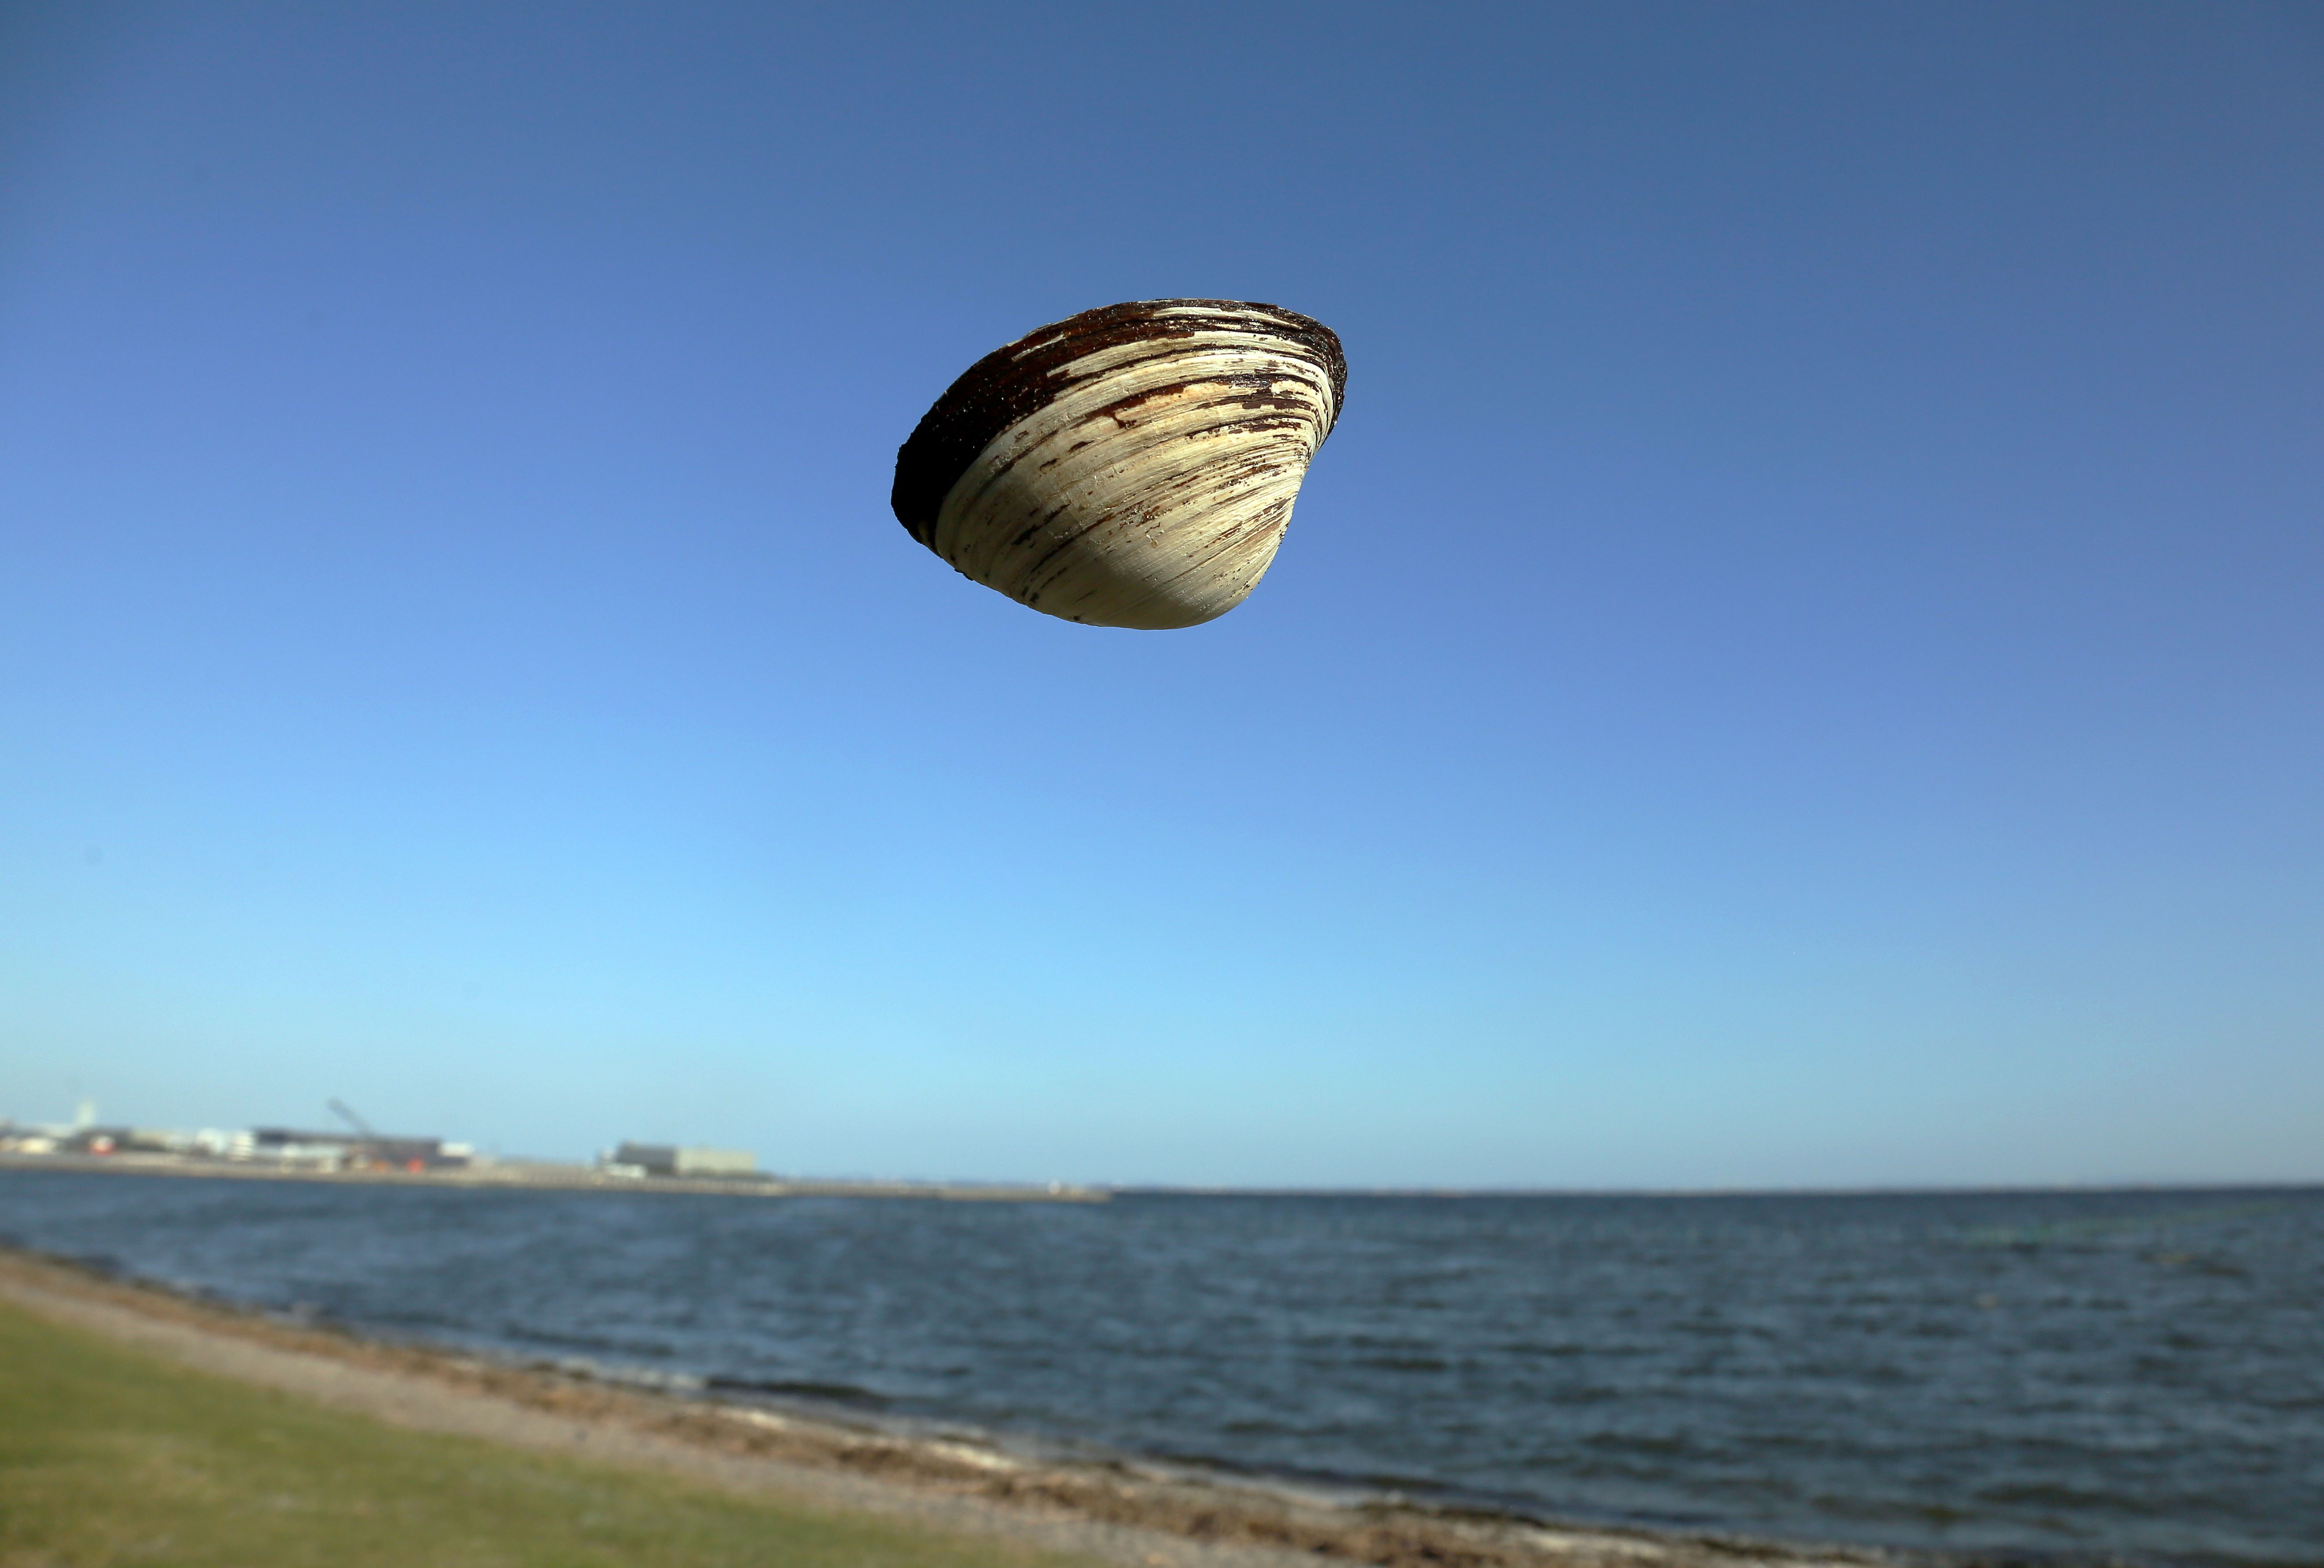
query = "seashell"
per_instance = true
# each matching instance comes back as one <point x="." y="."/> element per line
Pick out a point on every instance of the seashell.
<point x="1134" y="466"/>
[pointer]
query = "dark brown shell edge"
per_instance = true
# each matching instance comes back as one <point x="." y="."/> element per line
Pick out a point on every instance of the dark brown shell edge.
<point x="1016" y="379"/>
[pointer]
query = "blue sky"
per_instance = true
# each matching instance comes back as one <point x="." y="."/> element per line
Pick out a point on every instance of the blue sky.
<point x="1800" y="664"/>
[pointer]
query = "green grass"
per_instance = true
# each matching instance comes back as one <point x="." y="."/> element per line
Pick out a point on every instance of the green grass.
<point x="108" y="1456"/>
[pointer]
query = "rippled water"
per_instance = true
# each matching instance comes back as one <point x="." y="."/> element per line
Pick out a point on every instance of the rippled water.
<point x="2133" y="1374"/>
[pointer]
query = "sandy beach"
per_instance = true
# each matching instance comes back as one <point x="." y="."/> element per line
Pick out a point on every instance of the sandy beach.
<point x="1128" y="1515"/>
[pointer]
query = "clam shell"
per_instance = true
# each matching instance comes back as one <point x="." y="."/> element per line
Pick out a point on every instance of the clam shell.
<point x="1132" y="466"/>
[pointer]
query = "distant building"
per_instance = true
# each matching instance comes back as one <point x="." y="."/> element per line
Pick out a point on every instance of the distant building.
<point x="284" y="1147"/>
<point x="672" y="1159"/>
<point x="356" y="1152"/>
<point x="86" y="1138"/>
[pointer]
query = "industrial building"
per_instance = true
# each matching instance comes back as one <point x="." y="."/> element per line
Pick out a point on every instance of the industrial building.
<point x="358" y="1152"/>
<point x="676" y="1160"/>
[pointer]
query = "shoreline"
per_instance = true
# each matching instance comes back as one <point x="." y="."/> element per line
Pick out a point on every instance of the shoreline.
<point x="1127" y="1512"/>
<point x="547" y="1175"/>
<point x="560" y="1177"/>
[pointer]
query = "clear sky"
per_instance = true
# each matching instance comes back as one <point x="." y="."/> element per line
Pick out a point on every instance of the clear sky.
<point x="1802" y="662"/>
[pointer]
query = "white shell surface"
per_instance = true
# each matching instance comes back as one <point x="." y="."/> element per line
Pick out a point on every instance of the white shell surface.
<point x="1153" y="488"/>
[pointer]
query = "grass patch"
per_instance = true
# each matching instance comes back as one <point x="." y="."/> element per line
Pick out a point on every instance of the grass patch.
<point x="108" y="1456"/>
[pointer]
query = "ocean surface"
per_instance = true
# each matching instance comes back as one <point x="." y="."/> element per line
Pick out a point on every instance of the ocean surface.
<point x="2129" y="1375"/>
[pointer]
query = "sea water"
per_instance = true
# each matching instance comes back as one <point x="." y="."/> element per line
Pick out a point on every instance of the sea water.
<point x="2133" y="1374"/>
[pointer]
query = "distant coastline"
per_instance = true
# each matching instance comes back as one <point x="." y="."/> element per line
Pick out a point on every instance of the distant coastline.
<point x="561" y="1175"/>
<point x="503" y="1174"/>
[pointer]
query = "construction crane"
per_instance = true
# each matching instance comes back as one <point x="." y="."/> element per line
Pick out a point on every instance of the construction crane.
<point x="371" y="1151"/>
